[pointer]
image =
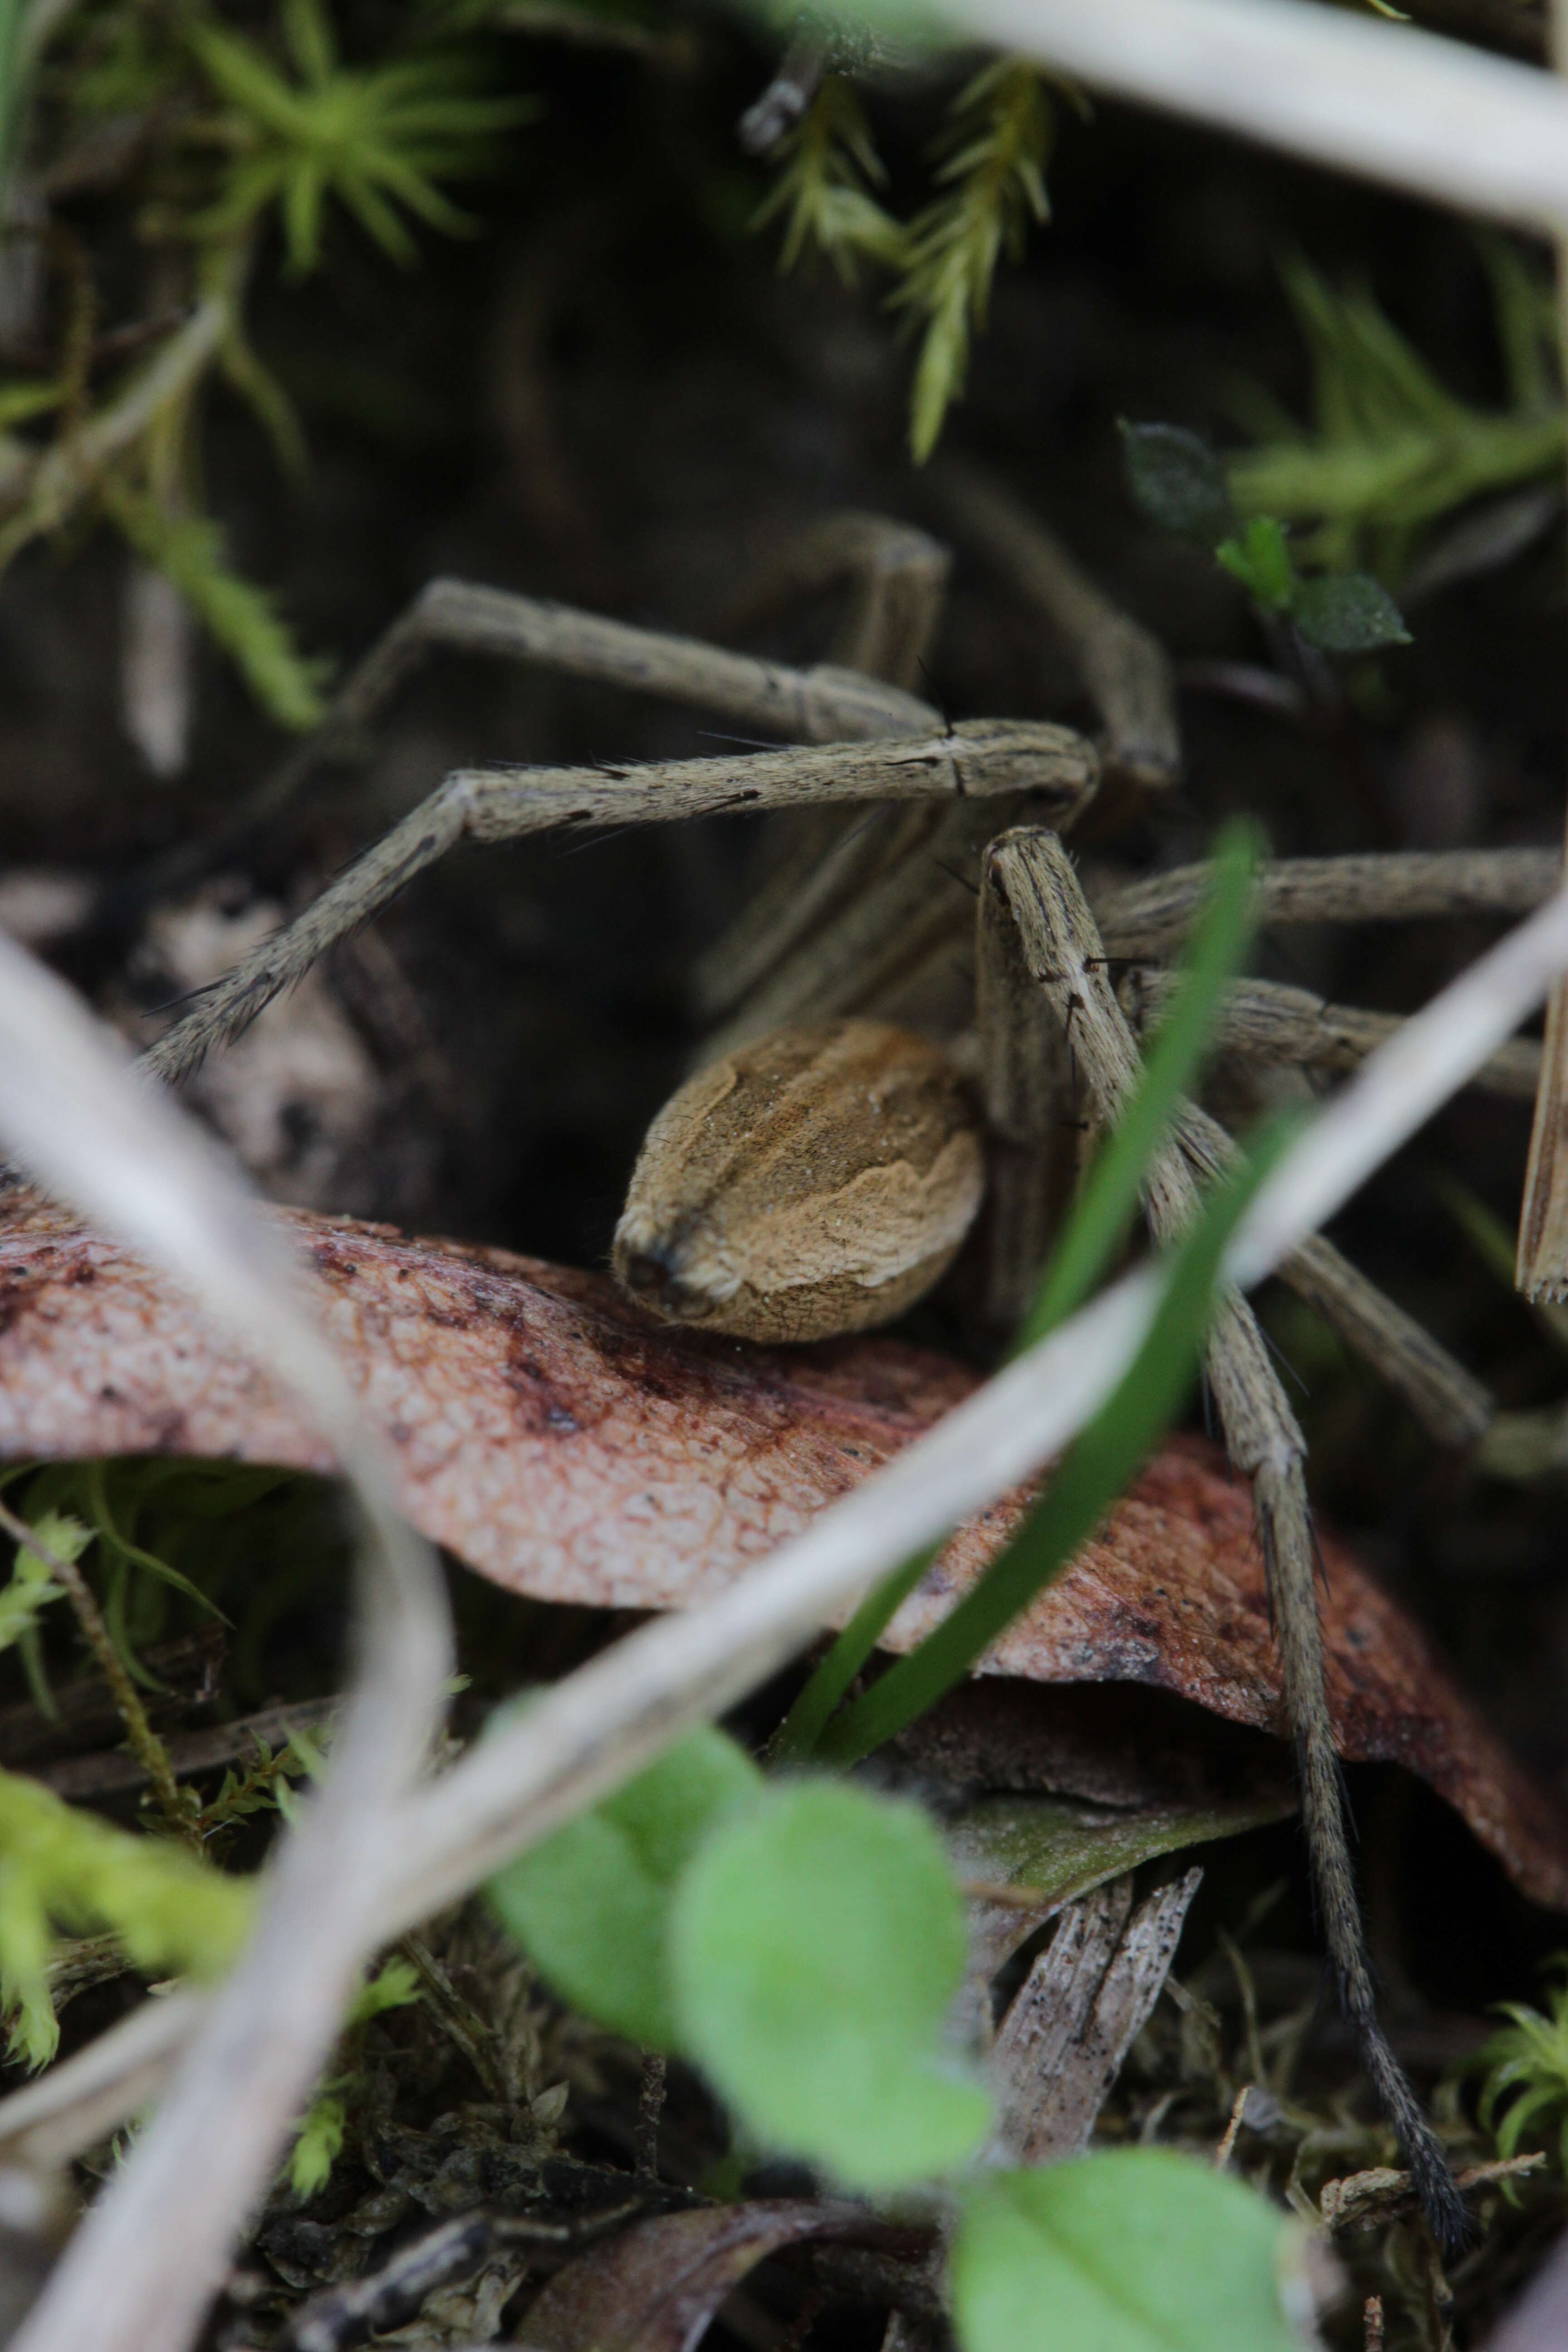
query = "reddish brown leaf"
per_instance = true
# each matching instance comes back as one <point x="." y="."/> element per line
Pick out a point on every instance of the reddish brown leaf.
<point x="656" y="2287"/>
<point x="567" y="1448"/>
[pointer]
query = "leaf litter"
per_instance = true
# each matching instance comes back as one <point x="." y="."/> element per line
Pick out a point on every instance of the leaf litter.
<point x="565" y="1448"/>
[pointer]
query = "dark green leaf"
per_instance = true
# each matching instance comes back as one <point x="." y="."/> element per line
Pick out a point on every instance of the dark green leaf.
<point x="1135" y="2250"/>
<point x="1347" y="612"/>
<point x="1176" y="480"/>
<point x="816" y="1944"/>
<point x="591" y="1904"/>
<point x="1060" y="1850"/>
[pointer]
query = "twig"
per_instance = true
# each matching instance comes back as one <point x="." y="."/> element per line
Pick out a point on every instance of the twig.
<point x="1385" y="101"/>
<point x="146" y="2261"/>
<point x="109" y="1773"/>
<point x="145" y="1744"/>
<point x="650" y="2107"/>
<point x="1222" y="2154"/>
<point x="63" y="474"/>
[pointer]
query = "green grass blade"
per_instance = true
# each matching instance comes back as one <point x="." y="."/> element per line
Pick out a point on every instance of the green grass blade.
<point x="1088" y="1480"/>
<point x="802" y="1728"/>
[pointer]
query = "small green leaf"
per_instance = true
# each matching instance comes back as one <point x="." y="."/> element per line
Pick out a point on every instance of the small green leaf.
<point x="1135" y="2250"/>
<point x="1347" y="612"/>
<point x="816" y="1944"/>
<point x="590" y="1904"/>
<point x="1176" y="480"/>
<point x="1260" y="559"/>
<point x="31" y="1586"/>
<point x="393" y="1986"/>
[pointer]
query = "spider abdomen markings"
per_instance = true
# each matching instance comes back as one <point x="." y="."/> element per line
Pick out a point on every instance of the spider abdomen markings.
<point x="814" y="1182"/>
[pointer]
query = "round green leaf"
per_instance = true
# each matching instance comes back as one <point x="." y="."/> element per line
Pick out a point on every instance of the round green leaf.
<point x="1136" y="2251"/>
<point x="591" y="1904"/>
<point x="816" y="1944"/>
<point x="1347" y="612"/>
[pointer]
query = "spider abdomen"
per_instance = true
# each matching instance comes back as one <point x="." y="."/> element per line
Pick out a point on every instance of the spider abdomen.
<point x="812" y="1183"/>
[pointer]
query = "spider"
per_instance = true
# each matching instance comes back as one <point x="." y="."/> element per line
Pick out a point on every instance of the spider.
<point x="888" y="838"/>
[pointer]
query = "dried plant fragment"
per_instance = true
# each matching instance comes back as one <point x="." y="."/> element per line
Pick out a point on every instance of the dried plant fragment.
<point x="657" y="2286"/>
<point x="567" y="1448"/>
<point x="1077" y="2014"/>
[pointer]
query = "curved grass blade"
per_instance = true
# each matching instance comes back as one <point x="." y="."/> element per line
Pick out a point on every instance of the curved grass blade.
<point x="1085" y="1485"/>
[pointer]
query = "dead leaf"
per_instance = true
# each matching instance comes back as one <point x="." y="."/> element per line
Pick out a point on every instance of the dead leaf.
<point x="569" y="1449"/>
<point x="656" y="2287"/>
<point x="1077" y="2014"/>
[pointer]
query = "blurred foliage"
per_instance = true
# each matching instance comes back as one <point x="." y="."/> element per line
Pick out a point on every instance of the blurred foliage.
<point x="211" y="139"/>
<point x="989" y="185"/>
<point x="1526" y="2063"/>
<point x="1391" y="451"/>
<point x="823" y="188"/>
<point x="61" y="1870"/>
<point x="167" y="1544"/>
<point x="157" y="1541"/>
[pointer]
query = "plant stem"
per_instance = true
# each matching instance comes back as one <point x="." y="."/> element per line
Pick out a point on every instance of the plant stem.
<point x="141" y="1739"/>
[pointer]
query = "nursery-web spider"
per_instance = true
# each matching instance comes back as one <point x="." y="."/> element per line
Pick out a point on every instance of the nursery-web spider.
<point x="858" y="915"/>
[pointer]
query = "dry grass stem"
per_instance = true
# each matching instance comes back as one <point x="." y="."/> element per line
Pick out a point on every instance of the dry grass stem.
<point x="143" y="2264"/>
<point x="1384" y="101"/>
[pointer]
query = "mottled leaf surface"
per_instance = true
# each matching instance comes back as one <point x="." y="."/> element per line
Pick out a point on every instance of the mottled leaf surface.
<point x="567" y="1448"/>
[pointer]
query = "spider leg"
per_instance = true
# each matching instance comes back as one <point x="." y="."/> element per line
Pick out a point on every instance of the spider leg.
<point x="1261" y="1021"/>
<point x="918" y="905"/>
<point x="825" y="704"/>
<point x="974" y="763"/>
<point x="1125" y="670"/>
<point x="897" y="580"/>
<point x="1027" y="1074"/>
<point x="1032" y="874"/>
<point x="1150" y="919"/>
<point x="811" y="864"/>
